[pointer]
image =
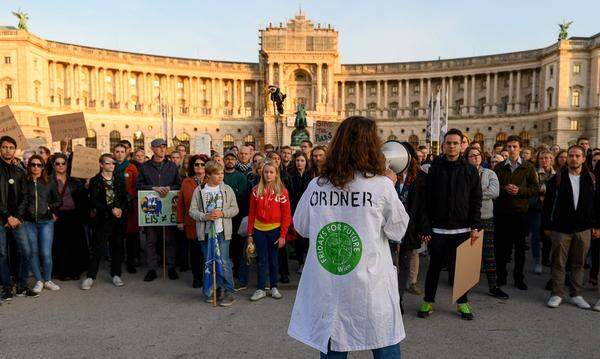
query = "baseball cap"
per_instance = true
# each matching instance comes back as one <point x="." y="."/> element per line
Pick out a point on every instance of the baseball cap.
<point x="230" y="153"/>
<point x="158" y="142"/>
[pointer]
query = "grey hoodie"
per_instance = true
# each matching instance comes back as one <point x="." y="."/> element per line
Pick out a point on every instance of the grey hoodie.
<point x="490" y="189"/>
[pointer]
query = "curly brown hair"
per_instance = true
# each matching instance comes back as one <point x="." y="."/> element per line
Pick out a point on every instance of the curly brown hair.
<point x="355" y="147"/>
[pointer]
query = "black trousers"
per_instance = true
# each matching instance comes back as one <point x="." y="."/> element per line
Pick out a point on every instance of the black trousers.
<point x="196" y="259"/>
<point x="107" y="231"/>
<point x="301" y="247"/>
<point x="132" y="247"/>
<point x="401" y="260"/>
<point x="236" y="246"/>
<point x="282" y="258"/>
<point x="511" y="230"/>
<point x="441" y="247"/>
<point x="70" y="249"/>
<point x="182" y="250"/>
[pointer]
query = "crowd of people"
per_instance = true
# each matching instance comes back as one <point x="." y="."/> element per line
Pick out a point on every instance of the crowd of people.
<point x="57" y="228"/>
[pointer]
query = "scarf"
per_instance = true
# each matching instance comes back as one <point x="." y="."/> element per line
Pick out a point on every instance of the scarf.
<point x="120" y="167"/>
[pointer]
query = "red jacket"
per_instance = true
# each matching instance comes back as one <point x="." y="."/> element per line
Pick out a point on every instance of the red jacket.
<point x="270" y="209"/>
<point x="183" y="207"/>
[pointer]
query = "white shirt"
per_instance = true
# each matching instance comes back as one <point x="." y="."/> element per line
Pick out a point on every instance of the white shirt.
<point x="348" y="292"/>
<point x="213" y="198"/>
<point x="575" y="185"/>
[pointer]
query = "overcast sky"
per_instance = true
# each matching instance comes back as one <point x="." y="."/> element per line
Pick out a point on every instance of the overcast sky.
<point x="370" y="31"/>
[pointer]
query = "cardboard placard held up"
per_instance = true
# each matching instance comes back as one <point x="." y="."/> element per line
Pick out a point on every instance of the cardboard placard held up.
<point x="468" y="266"/>
<point x="85" y="162"/>
<point x="67" y="127"/>
<point x="324" y="132"/>
<point x="202" y="145"/>
<point x="10" y="127"/>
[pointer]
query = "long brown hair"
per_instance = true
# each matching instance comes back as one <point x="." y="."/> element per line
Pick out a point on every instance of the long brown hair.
<point x="264" y="189"/>
<point x="356" y="147"/>
<point x="44" y="176"/>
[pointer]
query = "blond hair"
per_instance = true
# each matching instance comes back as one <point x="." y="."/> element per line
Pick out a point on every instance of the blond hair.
<point x="212" y="167"/>
<point x="265" y="189"/>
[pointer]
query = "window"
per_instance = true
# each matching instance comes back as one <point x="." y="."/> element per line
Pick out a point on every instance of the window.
<point x="413" y="140"/>
<point x="525" y="137"/>
<point x="248" y="89"/>
<point x="394" y="89"/>
<point x="551" y="71"/>
<point x="417" y="89"/>
<point x="180" y="85"/>
<point x="574" y="125"/>
<point x="138" y="140"/>
<point x="575" y="99"/>
<point x="90" y="140"/>
<point x="576" y="69"/>
<point x="249" y="140"/>
<point x="372" y="90"/>
<point x="501" y="137"/>
<point x="550" y="95"/>
<point x="484" y="84"/>
<point x="479" y="138"/>
<point x="8" y="91"/>
<point x="114" y="137"/>
<point x="7" y="60"/>
<point x="228" y="141"/>
<point x="392" y="137"/>
<point x="350" y="90"/>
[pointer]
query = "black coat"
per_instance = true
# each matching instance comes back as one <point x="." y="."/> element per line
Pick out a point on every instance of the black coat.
<point x="12" y="178"/>
<point x="453" y="194"/>
<point x="165" y="174"/>
<point x="416" y="207"/>
<point x="101" y="210"/>
<point x="559" y="213"/>
<point x="296" y="184"/>
<point x="40" y="201"/>
<point x="79" y="194"/>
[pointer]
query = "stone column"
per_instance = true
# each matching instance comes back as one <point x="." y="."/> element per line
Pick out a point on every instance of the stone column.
<point x="331" y="95"/>
<point x="488" y="90"/>
<point x="343" y="104"/>
<point x="212" y="94"/>
<point x="75" y="83"/>
<point x="54" y="84"/>
<point x="407" y="98"/>
<point x="495" y="104"/>
<point x="510" y="93"/>
<point x="234" y="96"/>
<point x="517" y="108"/>
<point x="101" y="85"/>
<point x="243" y="97"/>
<point x="319" y="82"/>
<point x="450" y="95"/>
<point x="473" y="100"/>
<point x="385" y="94"/>
<point x="356" y="91"/>
<point x="465" y="109"/>
<point x="533" y="88"/>
<point x="421" y="103"/>
<point x="400" y="98"/>
<point x="335" y="96"/>
<point x="378" y="94"/>
<point x="257" y="106"/>
<point x="428" y="89"/>
<point x="270" y="74"/>
<point x="281" y="79"/>
<point x="364" y="104"/>
<point x="126" y="88"/>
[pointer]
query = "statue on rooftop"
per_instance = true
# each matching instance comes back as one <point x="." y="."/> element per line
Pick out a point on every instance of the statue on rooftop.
<point x="23" y="17"/>
<point x="564" y="27"/>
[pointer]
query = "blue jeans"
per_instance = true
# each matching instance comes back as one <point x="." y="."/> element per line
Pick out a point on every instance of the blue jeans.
<point x="20" y="237"/>
<point x="226" y="266"/>
<point x="40" y="236"/>
<point x="267" y="252"/>
<point x="391" y="352"/>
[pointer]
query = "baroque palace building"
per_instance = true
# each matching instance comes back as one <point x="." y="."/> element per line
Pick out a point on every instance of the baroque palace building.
<point x="547" y="95"/>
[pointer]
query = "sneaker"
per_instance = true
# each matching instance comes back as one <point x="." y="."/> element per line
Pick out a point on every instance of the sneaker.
<point x="117" y="281"/>
<point x="414" y="289"/>
<point x="521" y="285"/>
<point x="554" y="301"/>
<point x="597" y="306"/>
<point x="580" y="302"/>
<point x="275" y="293"/>
<point x="465" y="311"/>
<point x="51" y="286"/>
<point x="150" y="276"/>
<point x="38" y="287"/>
<point x="227" y="301"/>
<point x="26" y="292"/>
<point x="426" y="310"/>
<point x="172" y="274"/>
<point x="538" y="269"/>
<point x="258" y="295"/>
<point x="7" y="295"/>
<point x="87" y="284"/>
<point x="238" y="287"/>
<point x="498" y="293"/>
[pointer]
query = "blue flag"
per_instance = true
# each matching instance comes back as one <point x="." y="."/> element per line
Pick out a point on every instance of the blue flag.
<point x="213" y="255"/>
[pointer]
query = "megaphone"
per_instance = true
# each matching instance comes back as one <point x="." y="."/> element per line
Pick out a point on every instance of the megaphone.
<point x="397" y="155"/>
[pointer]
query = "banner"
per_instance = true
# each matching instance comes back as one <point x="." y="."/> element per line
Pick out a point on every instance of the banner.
<point x="85" y="162"/>
<point x="154" y="210"/>
<point x="10" y="127"/>
<point x="324" y="132"/>
<point x="67" y="127"/>
<point x="202" y="145"/>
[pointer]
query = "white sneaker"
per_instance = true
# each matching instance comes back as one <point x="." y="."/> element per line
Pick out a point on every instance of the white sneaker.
<point x="554" y="301"/>
<point x="580" y="302"/>
<point x="275" y="293"/>
<point x="597" y="306"/>
<point x="117" y="281"/>
<point x="258" y="295"/>
<point x="51" y="286"/>
<point x="537" y="269"/>
<point x="38" y="287"/>
<point x="87" y="284"/>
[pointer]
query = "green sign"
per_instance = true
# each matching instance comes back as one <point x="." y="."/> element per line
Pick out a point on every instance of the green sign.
<point x="339" y="248"/>
<point x="154" y="210"/>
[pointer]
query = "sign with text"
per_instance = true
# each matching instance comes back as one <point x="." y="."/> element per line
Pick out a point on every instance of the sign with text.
<point x="154" y="210"/>
<point x="202" y="146"/>
<point x="67" y="127"/>
<point x="324" y="131"/>
<point x="10" y="127"/>
<point x="85" y="162"/>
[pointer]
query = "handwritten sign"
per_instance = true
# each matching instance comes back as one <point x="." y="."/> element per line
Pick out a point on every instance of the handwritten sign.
<point x="154" y="210"/>
<point x="10" y="127"/>
<point x="85" y="162"/>
<point x="67" y="127"/>
<point x="202" y="145"/>
<point x="324" y="131"/>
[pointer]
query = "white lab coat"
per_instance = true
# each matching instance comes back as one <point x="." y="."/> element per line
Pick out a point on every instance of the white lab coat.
<point x="359" y="307"/>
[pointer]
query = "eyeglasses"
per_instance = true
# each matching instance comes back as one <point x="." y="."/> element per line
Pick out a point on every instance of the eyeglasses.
<point x="199" y="164"/>
<point x="60" y="163"/>
<point x="474" y="156"/>
<point x="39" y="165"/>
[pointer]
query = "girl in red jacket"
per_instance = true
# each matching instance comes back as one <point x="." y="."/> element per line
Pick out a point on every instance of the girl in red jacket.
<point x="268" y="223"/>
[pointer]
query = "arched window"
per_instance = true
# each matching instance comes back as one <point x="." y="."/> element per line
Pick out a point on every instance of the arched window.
<point x="138" y="140"/>
<point x="183" y="139"/>
<point x="228" y="141"/>
<point x="525" y="137"/>
<point x="413" y="140"/>
<point x="392" y="137"/>
<point x="249" y="140"/>
<point x="501" y="137"/>
<point x="91" y="140"/>
<point x="114" y="137"/>
<point x="479" y="138"/>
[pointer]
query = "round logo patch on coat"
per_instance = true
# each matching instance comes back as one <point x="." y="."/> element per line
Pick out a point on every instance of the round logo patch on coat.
<point x="339" y="248"/>
<point x="11" y="181"/>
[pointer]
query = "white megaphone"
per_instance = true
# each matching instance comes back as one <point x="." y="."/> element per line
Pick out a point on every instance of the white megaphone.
<point x="397" y="155"/>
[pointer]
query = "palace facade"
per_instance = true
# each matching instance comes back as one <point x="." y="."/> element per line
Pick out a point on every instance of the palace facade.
<point x="547" y="95"/>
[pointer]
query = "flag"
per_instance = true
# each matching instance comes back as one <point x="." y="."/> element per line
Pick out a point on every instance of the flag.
<point x="213" y="255"/>
<point x="435" y="118"/>
<point x="444" y="124"/>
<point x="163" y="116"/>
<point x="428" y="130"/>
<point x="172" y="120"/>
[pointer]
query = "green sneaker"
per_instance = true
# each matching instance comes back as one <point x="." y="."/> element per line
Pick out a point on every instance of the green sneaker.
<point x="465" y="311"/>
<point x="425" y="310"/>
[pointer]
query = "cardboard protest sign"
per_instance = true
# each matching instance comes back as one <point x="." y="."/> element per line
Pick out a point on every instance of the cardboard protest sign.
<point x="85" y="162"/>
<point x="202" y="145"/>
<point x="10" y="127"/>
<point x="467" y="267"/>
<point x="154" y="210"/>
<point x="324" y="131"/>
<point x="67" y="127"/>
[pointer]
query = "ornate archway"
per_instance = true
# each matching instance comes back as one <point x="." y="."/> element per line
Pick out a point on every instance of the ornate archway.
<point x="300" y="89"/>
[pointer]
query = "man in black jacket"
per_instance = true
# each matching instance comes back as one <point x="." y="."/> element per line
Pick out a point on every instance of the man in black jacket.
<point x="571" y="209"/>
<point x="12" y="178"/>
<point x="160" y="175"/>
<point x="454" y="211"/>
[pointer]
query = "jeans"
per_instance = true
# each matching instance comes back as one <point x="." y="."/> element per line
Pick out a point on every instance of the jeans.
<point x="442" y="246"/>
<point x="225" y="260"/>
<point x="390" y="352"/>
<point x="20" y="237"/>
<point x="267" y="252"/>
<point x="40" y="236"/>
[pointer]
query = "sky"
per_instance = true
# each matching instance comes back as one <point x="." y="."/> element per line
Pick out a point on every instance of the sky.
<point x="369" y="31"/>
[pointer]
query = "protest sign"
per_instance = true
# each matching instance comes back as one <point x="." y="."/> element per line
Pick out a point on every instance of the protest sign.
<point x="67" y="127"/>
<point x="10" y="127"/>
<point x="85" y="162"/>
<point x="324" y="131"/>
<point x="202" y="145"/>
<point x="154" y="210"/>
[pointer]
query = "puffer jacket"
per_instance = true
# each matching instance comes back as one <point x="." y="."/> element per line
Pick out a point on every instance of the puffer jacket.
<point x="40" y="201"/>
<point x="490" y="190"/>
